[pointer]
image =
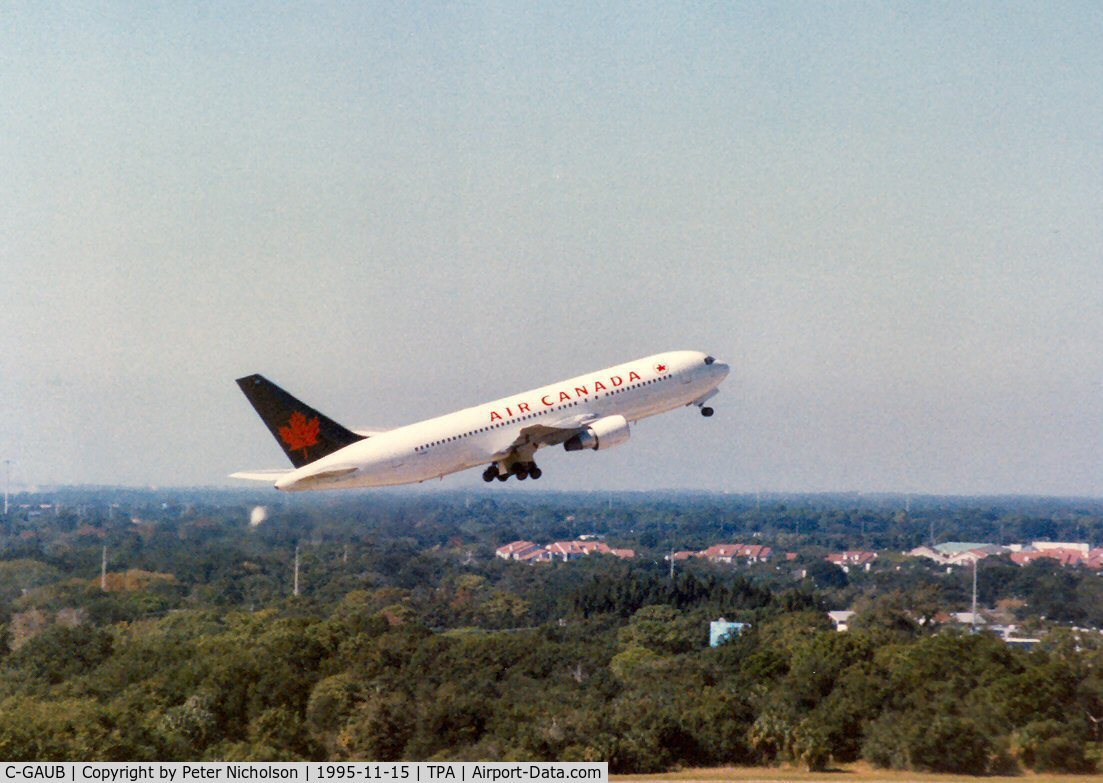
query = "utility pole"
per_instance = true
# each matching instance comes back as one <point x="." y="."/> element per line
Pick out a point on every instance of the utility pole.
<point x="974" y="617"/>
<point x="296" y="569"/>
<point x="345" y="556"/>
<point x="7" y="483"/>
<point x="103" y="570"/>
<point x="672" y="564"/>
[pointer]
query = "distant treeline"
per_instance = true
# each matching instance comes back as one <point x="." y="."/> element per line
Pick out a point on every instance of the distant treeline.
<point x="411" y="640"/>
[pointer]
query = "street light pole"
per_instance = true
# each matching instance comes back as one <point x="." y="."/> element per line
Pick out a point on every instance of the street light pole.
<point x="7" y="483"/>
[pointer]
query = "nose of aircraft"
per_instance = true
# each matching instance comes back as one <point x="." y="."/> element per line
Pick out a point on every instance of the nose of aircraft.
<point x="717" y="368"/>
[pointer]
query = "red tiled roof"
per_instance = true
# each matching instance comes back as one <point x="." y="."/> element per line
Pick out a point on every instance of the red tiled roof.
<point x="566" y="548"/>
<point x="514" y="546"/>
<point x="579" y="548"/>
<point x="1063" y="556"/>
<point x="1066" y="557"/>
<point x="759" y="551"/>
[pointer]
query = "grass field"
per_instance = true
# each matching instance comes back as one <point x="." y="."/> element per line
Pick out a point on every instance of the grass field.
<point x="858" y="773"/>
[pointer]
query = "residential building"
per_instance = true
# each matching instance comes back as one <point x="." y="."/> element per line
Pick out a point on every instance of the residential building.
<point x="967" y="618"/>
<point x="537" y="555"/>
<point x="516" y="550"/>
<point x="841" y="619"/>
<point x="1063" y="556"/>
<point x="529" y="552"/>
<point x="955" y="553"/>
<point x="967" y="557"/>
<point x="1042" y="546"/>
<point x="730" y="553"/>
<point x="852" y="559"/>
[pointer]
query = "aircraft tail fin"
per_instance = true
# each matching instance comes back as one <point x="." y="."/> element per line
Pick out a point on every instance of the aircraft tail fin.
<point x="304" y="434"/>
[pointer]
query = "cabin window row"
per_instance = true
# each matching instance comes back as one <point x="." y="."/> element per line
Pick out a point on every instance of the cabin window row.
<point x="532" y="415"/>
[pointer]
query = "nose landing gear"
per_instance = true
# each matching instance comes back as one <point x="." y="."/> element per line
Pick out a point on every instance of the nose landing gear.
<point x="706" y="411"/>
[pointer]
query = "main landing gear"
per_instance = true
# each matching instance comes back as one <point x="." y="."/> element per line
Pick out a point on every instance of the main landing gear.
<point x="522" y="470"/>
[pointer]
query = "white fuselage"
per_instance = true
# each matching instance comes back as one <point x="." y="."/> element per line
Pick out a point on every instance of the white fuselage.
<point x="480" y="435"/>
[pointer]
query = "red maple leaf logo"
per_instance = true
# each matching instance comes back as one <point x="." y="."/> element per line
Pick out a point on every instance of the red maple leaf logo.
<point x="660" y="368"/>
<point x="300" y="433"/>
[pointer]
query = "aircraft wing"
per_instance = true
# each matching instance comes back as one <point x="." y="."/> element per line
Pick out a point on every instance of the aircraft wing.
<point x="261" y="475"/>
<point x="550" y="433"/>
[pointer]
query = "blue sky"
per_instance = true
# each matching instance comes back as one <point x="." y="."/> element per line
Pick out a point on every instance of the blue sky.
<point x="887" y="217"/>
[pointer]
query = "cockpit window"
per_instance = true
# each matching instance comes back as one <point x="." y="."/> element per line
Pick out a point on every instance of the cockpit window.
<point x="710" y="359"/>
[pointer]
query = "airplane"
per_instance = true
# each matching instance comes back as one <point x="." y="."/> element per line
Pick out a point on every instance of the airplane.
<point x="591" y="411"/>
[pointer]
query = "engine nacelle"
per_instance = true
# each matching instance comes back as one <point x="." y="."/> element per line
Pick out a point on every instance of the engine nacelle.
<point x="604" y="433"/>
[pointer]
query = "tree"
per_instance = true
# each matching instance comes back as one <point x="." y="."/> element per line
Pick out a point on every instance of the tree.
<point x="1052" y="746"/>
<point x="60" y="652"/>
<point x="927" y="742"/>
<point x="663" y="630"/>
<point x="827" y="575"/>
<point x="379" y="729"/>
<point x="634" y="664"/>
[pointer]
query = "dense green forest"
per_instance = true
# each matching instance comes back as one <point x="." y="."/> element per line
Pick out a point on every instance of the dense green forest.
<point x="411" y="640"/>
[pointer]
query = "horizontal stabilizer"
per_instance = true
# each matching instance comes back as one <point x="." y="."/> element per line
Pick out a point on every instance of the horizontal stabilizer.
<point x="332" y="473"/>
<point x="312" y="480"/>
<point x="261" y="475"/>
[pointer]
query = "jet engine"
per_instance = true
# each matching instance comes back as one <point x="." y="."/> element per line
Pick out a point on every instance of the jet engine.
<point x="604" y="433"/>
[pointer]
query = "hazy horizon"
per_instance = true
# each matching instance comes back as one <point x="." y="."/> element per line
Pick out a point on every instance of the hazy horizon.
<point x="437" y="489"/>
<point x="887" y="219"/>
